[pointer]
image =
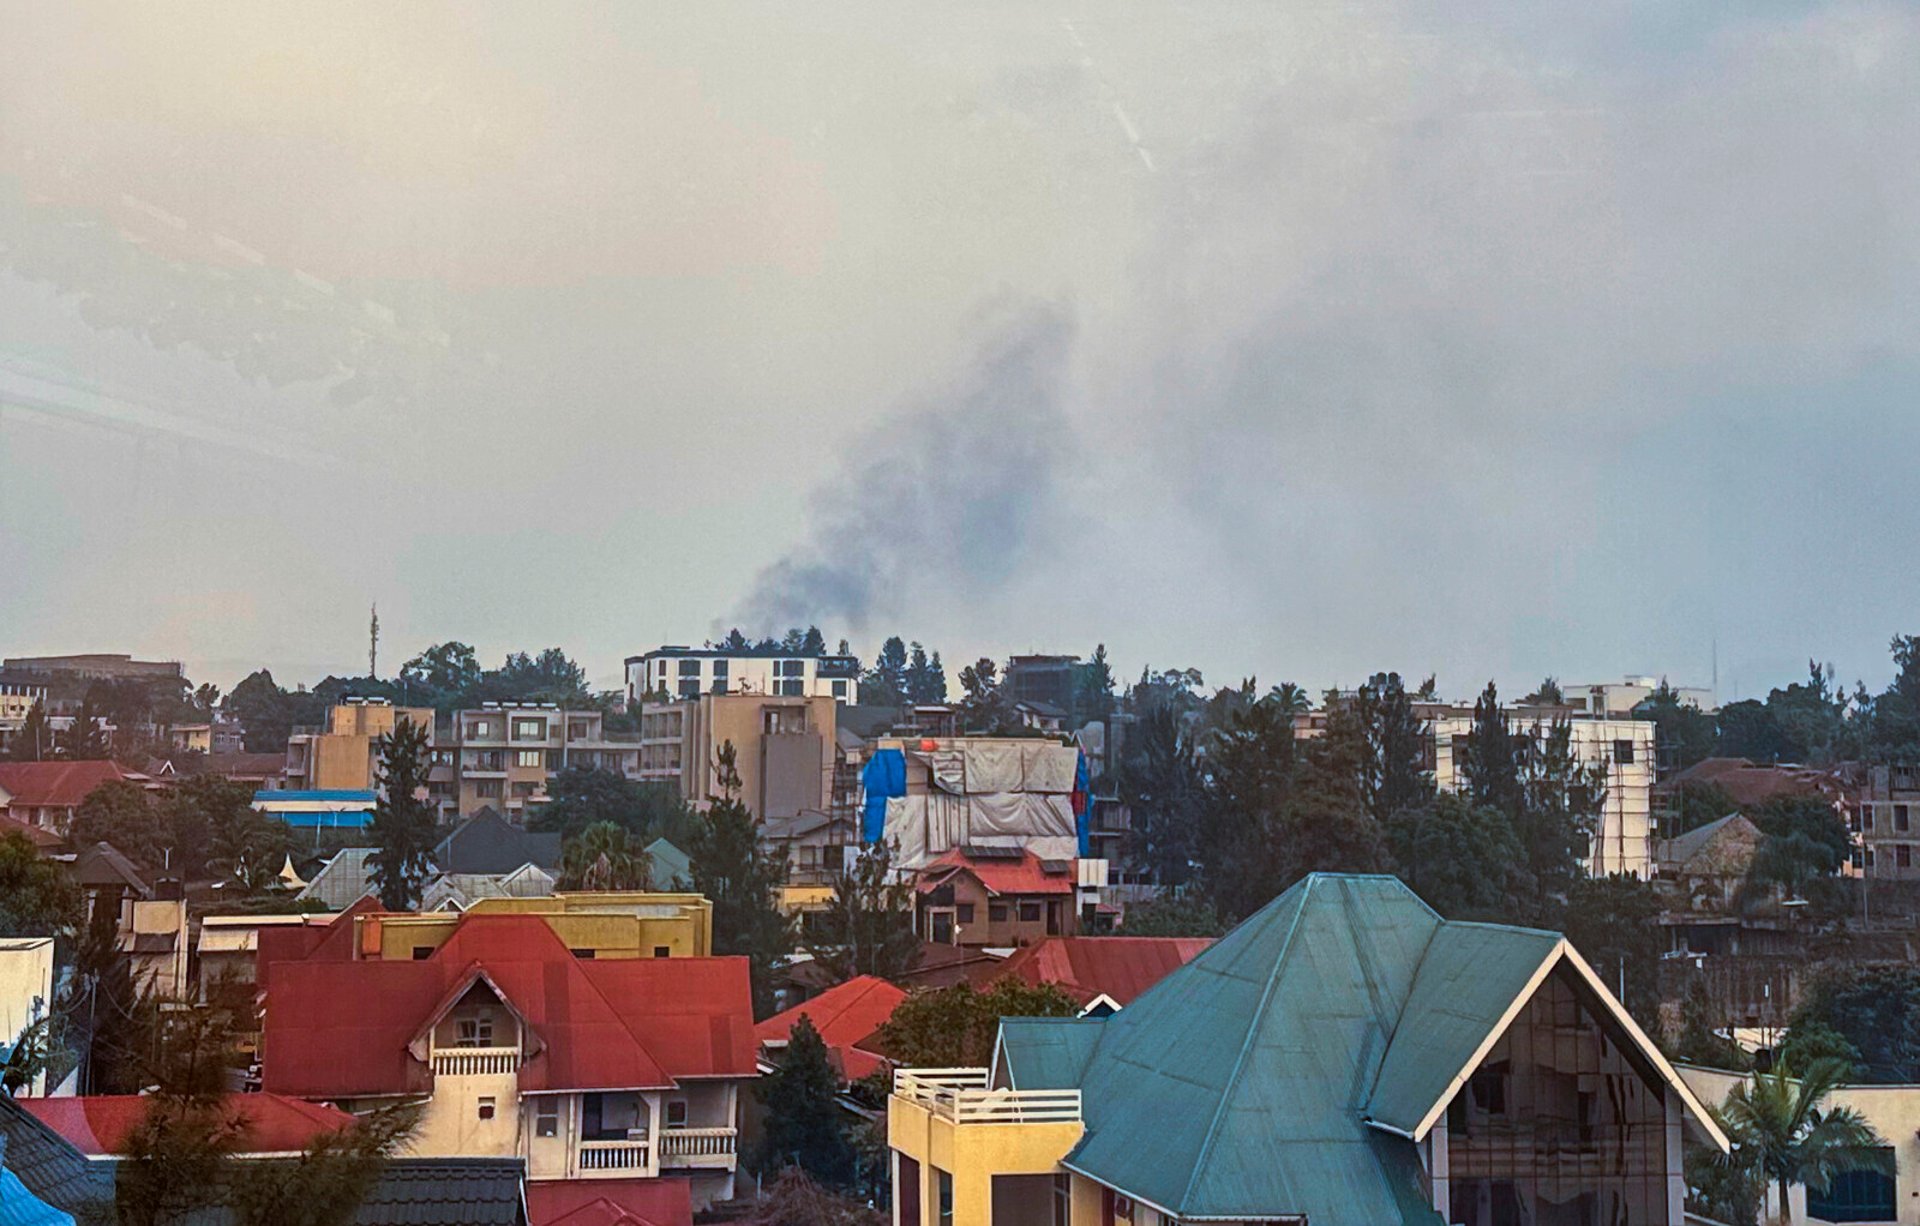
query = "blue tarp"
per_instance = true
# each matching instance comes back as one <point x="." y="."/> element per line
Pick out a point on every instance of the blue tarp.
<point x="1083" y="807"/>
<point x="884" y="776"/>
<point x="19" y="1207"/>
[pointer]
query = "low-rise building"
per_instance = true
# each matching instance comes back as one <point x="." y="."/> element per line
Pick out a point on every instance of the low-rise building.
<point x="628" y="1070"/>
<point x="45" y="794"/>
<point x="847" y="1017"/>
<point x="1619" y="699"/>
<point x="343" y="754"/>
<point x="783" y="747"/>
<point x="680" y="673"/>
<point x="26" y="991"/>
<point x="1885" y="818"/>
<point x="506" y="752"/>
<point x="1343" y="1056"/>
<point x="995" y="898"/>
<point x="609" y="926"/>
<point x="318" y="809"/>
<point x="1103" y="973"/>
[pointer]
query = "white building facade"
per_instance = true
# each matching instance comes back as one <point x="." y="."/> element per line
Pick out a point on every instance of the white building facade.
<point x="688" y="672"/>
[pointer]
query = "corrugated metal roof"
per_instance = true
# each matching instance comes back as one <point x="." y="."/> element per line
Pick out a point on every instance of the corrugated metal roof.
<point x="1120" y="968"/>
<point x="1047" y="1053"/>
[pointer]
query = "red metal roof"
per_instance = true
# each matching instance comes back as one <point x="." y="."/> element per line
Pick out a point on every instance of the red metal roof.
<point x="341" y="1029"/>
<point x="845" y="1015"/>
<point x="610" y="1202"/>
<point x="270" y="1123"/>
<point x="54" y="785"/>
<point x="328" y="942"/>
<point x="1009" y="876"/>
<point x="1119" y="968"/>
<point x="42" y="838"/>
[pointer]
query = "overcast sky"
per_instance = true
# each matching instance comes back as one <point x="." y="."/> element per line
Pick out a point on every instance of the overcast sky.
<point x="1295" y="340"/>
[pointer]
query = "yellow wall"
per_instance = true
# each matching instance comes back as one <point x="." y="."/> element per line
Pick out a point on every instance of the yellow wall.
<point x="973" y="1154"/>
<point x="342" y="762"/>
<point x="626" y="925"/>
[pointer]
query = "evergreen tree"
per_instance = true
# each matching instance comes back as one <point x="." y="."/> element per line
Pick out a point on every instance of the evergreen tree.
<point x="403" y="826"/>
<point x="868" y="927"/>
<point x="742" y="879"/>
<point x="984" y="706"/>
<point x="34" y="741"/>
<point x="1161" y="784"/>
<point x="1393" y="773"/>
<point x="88" y="740"/>
<point x="1614" y="921"/>
<point x="37" y="899"/>
<point x="1462" y="858"/>
<point x="1249" y="768"/>
<point x="1093" y="688"/>
<point x="1491" y="768"/>
<point x="813" y="643"/>
<point x="805" y="1124"/>
<point x="1683" y="733"/>
<point x="925" y="680"/>
<point x="885" y="684"/>
<point x="1559" y="810"/>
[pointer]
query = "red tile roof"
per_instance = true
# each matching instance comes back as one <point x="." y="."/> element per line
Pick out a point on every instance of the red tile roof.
<point x="1119" y="968"/>
<point x="342" y="1029"/>
<point x="270" y="1124"/>
<point x="1001" y="876"/>
<point x="1750" y="783"/>
<point x="610" y="1202"/>
<point x="54" y="785"/>
<point x="845" y="1015"/>
<point x="42" y="838"/>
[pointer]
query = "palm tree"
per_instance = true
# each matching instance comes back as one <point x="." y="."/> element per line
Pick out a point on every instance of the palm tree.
<point x="605" y="857"/>
<point x="1781" y="1135"/>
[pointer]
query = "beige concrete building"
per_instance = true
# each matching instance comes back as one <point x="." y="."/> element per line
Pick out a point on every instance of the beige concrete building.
<point x="783" y="748"/>
<point x="26" y="991"/>
<point x="506" y="752"/>
<point x="341" y="755"/>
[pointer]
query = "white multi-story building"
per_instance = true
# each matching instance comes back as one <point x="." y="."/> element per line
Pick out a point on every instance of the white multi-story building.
<point x="688" y="672"/>
<point x="1617" y="699"/>
<point x="1623" y="841"/>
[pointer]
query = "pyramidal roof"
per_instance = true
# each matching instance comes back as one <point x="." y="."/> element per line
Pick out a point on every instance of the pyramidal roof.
<point x="1286" y="1069"/>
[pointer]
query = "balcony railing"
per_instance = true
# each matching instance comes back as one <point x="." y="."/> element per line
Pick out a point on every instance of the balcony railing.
<point x="963" y="1097"/>
<point x="611" y="1157"/>
<point x="474" y="1061"/>
<point x="688" y="1146"/>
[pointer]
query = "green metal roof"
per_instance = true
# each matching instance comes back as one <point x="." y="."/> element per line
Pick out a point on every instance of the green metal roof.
<point x="1471" y="975"/>
<point x="1047" y="1053"/>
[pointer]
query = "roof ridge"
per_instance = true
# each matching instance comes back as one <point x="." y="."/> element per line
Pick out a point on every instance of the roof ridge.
<point x="1400" y="1016"/>
<point x="1246" y="1044"/>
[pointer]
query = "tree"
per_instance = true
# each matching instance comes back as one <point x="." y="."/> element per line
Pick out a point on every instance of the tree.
<point x="805" y="1124"/>
<point x="885" y="684"/>
<point x="1175" y="688"/>
<point x="1491" y="767"/>
<point x="119" y="812"/>
<point x="742" y="878"/>
<point x="605" y="856"/>
<point x="1683" y="734"/>
<point x="215" y="830"/>
<point x="868" y="927"/>
<point x="1749" y="730"/>
<point x="1699" y="1040"/>
<point x="1462" y="858"/>
<point x="1783" y="1135"/>
<point x="34" y="741"/>
<point x="1696" y="804"/>
<point x="1394" y="773"/>
<point x="956" y="1027"/>
<point x="442" y="676"/>
<point x="1560" y="804"/>
<point x="1875" y="1009"/>
<point x="113" y="1024"/>
<point x="983" y="708"/>
<point x="402" y="826"/>
<point x="813" y="643"/>
<point x="37" y="898"/>
<point x="585" y="796"/>
<point x="1548" y="695"/>
<point x="792" y="1199"/>
<point x="88" y="740"/>
<point x="1173" y="915"/>
<point x="1249" y="778"/>
<point x="1614" y="921"/>
<point x="1093" y="688"/>
<point x="925" y="680"/>
<point x="549" y="677"/>
<point x="325" y="1185"/>
<point x="1160" y="782"/>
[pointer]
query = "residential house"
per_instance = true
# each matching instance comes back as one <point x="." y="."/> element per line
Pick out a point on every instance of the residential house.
<point x="1343" y="1056"/>
<point x="1703" y="869"/>
<point x="994" y="897"/>
<point x="1040" y="716"/>
<point x="846" y="1016"/>
<point x="682" y="673"/>
<point x="819" y="847"/>
<point x="1885" y="819"/>
<point x="784" y="750"/>
<point x="266" y="1125"/>
<point x="26" y="991"/>
<point x="487" y="843"/>
<point x="45" y="794"/>
<point x="1102" y="973"/>
<point x="1051" y="681"/>
<point x="624" y="1070"/>
<point x="506" y="753"/>
<point x="228" y="949"/>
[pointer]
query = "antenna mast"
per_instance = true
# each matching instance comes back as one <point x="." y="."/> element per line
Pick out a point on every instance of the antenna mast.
<point x="373" y="643"/>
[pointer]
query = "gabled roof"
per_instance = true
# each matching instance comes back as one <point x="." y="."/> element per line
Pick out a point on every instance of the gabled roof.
<point x="342" y="1028"/>
<point x="1288" y="1066"/>
<point x="321" y="938"/>
<point x="43" y="839"/>
<point x="670" y="864"/>
<point x="103" y="865"/>
<point x="846" y="1015"/>
<point x="99" y="1125"/>
<point x="1683" y="847"/>
<point x="488" y="843"/>
<point x="341" y="881"/>
<point x="610" y="1202"/>
<point x="1118" y="968"/>
<point x="54" y="785"/>
<point x="1022" y="874"/>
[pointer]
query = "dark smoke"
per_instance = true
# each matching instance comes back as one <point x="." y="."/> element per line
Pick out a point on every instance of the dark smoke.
<point x="959" y="483"/>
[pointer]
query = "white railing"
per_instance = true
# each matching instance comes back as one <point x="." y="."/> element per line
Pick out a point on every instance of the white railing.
<point x="474" y="1061"/>
<point x="595" y="1156"/>
<point x="962" y="1096"/>
<point x="697" y="1143"/>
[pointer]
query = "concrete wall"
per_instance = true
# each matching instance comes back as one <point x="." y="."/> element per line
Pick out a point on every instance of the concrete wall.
<point x="26" y="988"/>
<point x="972" y="1154"/>
<point x="618" y="925"/>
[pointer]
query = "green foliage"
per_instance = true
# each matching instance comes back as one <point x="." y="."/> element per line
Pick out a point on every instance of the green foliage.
<point x="1160" y="782"/>
<point x="956" y="1027"/>
<point x="1699" y="1040"/>
<point x="925" y="679"/>
<point x="403" y="824"/>
<point x="1185" y="914"/>
<point x="1174" y="689"/>
<point x="1749" y="730"/>
<point x="114" y="1027"/>
<point x="1683" y="734"/>
<point x="1093" y="688"/>
<point x="267" y="713"/>
<point x="1491" y="765"/>
<point x="120" y="813"/>
<point x="1696" y="804"/>
<point x="1783" y="1134"/>
<point x="805" y="1125"/>
<point x="1462" y="858"/>
<point x="1393" y="772"/>
<point x="742" y="878"/>
<point x="868" y="927"/>
<point x="1614" y="921"/>
<point x="1815" y="1040"/>
<point x="441" y="676"/>
<point x="605" y="856"/>
<point x="885" y="684"/>
<point x="325" y="1185"/>
<point x="792" y="1199"/>
<point x="1875" y="1009"/>
<point x="983" y="706"/>
<point x="87" y="740"/>
<point x="37" y="898"/>
<point x="585" y="796"/>
<point x="34" y="741"/>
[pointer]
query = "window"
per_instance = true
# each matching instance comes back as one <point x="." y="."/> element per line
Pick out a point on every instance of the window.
<point x="690" y="689"/>
<point x="996" y="913"/>
<point x="1062" y="1199"/>
<point x="422" y="952"/>
<point x="964" y="912"/>
<point x="943" y="1195"/>
<point x="676" y="1113"/>
<point x="1029" y="912"/>
<point x="479" y="730"/>
<point x="529" y="757"/>
<point x="585" y="955"/>
<point x="839" y="689"/>
<point x="546" y="1118"/>
<point x="1901" y="821"/>
<point x="486" y="1107"/>
<point x="689" y="668"/>
<point x="1623" y="753"/>
<point x="790" y="668"/>
<point x="1857" y="1196"/>
<point x="1903" y="855"/>
<point x="1489" y="1089"/>
<point x="662" y="951"/>
<point x="529" y="729"/>
<point x="720" y="670"/>
<point x="487" y="789"/>
<point x="1866" y="816"/>
<point x="476" y="1031"/>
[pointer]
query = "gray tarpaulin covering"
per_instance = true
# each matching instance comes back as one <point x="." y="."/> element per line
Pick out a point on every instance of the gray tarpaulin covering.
<point x="1011" y="793"/>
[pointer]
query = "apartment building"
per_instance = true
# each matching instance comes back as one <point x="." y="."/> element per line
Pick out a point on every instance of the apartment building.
<point x="343" y="754"/>
<point x="1624" y="748"/>
<point x="1344" y="1056"/>
<point x="505" y="753"/>
<point x="1052" y="680"/>
<point x="18" y="692"/>
<point x="624" y="1073"/>
<point x="784" y="748"/>
<point x="1617" y="699"/>
<point x="688" y="672"/>
<point x="1885" y="819"/>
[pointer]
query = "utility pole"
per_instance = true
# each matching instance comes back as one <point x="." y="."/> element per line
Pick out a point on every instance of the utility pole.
<point x="373" y="644"/>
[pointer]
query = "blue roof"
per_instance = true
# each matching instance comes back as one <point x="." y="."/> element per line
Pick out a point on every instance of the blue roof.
<point x="327" y="819"/>
<point x="338" y="795"/>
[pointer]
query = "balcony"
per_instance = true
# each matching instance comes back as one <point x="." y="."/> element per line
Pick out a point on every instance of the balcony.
<point x="612" y="1158"/>
<point x="474" y="1061"/>
<point x="961" y="1096"/>
<point x="712" y="1148"/>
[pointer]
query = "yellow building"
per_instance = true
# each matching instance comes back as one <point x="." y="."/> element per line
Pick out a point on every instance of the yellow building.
<point x="341" y="755"/>
<point x="609" y="925"/>
<point x="783" y="748"/>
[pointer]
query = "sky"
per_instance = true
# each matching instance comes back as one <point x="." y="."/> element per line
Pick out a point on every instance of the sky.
<point x="1484" y="339"/>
